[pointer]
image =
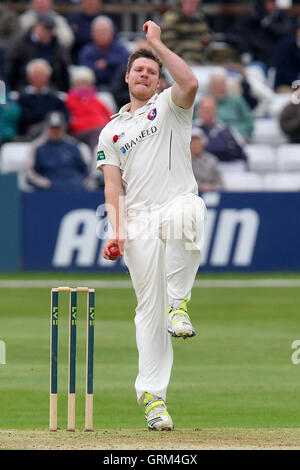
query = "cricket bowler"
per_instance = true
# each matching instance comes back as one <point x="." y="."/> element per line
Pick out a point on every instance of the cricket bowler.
<point x="156" y="214"/>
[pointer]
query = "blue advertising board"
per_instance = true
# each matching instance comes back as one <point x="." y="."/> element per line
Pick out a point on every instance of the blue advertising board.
<point x="10" y="227"/>
<point x="244" y="232"/>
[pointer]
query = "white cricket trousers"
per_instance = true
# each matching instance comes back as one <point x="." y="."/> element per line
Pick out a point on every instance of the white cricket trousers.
<point x="162" y="253"/>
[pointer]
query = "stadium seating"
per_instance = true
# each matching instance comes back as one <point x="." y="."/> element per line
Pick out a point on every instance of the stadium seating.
<point x="267" y="131"/>
<point x="288" y="157"/>
<point x="243" y="181"/>
<point x="280" y="100"/>
<point x="282" y="181"/>
<point x="261" y="157"/>
<point x="14" y="157"/>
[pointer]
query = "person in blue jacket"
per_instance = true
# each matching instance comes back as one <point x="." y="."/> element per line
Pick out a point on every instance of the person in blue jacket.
<point x="55" y="161"/>
<point x="287" y="60"/>
<point x="80" y="21"/>
<point x="105" y="53"/>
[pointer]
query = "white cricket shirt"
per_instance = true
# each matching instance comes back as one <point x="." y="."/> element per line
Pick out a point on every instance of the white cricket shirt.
<point x="152" y="149"/>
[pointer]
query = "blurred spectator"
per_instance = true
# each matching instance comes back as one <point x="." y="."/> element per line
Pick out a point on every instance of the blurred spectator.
<point x="205" y="165"/>
<point x="257" y="94"/>
<point x="37" y="99"/>
<point x="222" y="141"/>
<point x="185" y="31"/>
<point x="287" y="59"/>
<point x="233" y="110"/>
<point x="9" y="120"/>
<point x="9" y="24"/>
<point x="55" y="161"/>
<point x="80" y="22"/>
<point x="39" y="42"/>
<point x="105" y="53"/>
<point x="2" y="63"/>
<point x="63" y="31"/>
<point x="118" y="86"/>
<point x="256" y="35"/>
<point x="289" y="120"/>
<point x="88" y="114"/>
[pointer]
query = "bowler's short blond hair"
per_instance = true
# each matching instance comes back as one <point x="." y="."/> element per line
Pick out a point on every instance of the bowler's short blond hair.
<point x="143" y="53"/>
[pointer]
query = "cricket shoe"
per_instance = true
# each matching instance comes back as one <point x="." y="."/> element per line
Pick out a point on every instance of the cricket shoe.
<point x="179" y="323"/>
<point x="156" y="414"/>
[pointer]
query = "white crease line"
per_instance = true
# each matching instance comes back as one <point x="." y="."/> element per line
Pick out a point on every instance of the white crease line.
<point x="124" y="284"/>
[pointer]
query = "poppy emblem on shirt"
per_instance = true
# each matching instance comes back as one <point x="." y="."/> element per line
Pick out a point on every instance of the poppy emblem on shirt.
<point x="152" y="114"/>
<point x="116" y="137"/>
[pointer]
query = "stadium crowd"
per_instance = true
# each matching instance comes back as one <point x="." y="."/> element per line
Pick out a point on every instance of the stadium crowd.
<point x="64" y="78"/>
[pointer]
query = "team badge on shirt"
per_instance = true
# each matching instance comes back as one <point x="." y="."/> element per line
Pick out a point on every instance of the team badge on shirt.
<point x="100" y="155"/>
<point x="152" y="114"/>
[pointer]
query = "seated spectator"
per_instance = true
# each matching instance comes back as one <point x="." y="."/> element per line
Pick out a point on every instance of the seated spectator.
<point x="9" y="120"/>
<point x="56" y="162"/>
<point x="205" y="165"/>
<point x="39" y="42"/>
<point x="289" y="120"/>
<point x="37" y="99"/>
<point x="287" y="60"/>
<point x="233" y="110"/>
<point x="88" y="115"/>
<point x="9" y="24"/>
<point x="80" y="22"/>
<point x="256" y="35"/>
<point x="258" y="95"/>
<point x="105" y="53"/>
<point x="223" y="142"/>
<point x="63" y="31"/>
<point x="185" y="31"/>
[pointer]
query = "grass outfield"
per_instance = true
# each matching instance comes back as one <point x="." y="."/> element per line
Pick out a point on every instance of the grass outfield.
<point x="236" y="373"/>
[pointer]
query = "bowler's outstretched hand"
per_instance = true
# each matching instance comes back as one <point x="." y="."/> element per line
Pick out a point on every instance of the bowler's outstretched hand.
<point x="152" y="31"/>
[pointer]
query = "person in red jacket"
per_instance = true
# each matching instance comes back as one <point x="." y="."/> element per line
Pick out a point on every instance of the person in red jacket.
<point x="88" y="114"/>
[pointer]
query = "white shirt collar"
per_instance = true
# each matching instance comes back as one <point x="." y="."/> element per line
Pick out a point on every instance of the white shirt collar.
<point x="124" y="111"/>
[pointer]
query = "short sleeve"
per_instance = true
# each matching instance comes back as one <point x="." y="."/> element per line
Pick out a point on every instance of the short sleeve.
<point x="106" y="154"/>
<point x="184" y="114"/>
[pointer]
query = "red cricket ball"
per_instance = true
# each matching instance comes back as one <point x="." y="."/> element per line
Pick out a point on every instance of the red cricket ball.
<point x="114" y="252"/>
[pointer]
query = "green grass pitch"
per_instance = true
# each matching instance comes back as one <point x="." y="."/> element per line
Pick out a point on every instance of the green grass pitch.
<point x="236" y="373"/>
